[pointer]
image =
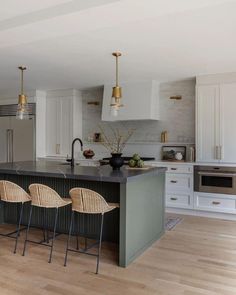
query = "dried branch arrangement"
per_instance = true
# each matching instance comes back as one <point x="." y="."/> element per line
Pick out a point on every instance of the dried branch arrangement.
<point x="115" y="139"/>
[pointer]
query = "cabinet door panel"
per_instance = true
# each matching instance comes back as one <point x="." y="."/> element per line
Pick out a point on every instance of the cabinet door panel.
<point x="228" y="123"/>
<point x="214" y="202"/>
<point x="207" y="123"/>
<point x="52" y="135"/>
<point x="179" y="169"/>
<point x="178" y="182"/>
<point x="179" y="200"/>
<point x="66" y="126"/>
<point x="4" y="125"/>
<point x="59" y="126"/>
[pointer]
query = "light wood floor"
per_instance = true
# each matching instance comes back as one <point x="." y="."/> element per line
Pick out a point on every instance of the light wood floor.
<point x="197" y="257"/>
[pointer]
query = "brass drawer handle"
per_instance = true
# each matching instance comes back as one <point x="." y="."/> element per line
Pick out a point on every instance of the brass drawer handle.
<point x="173" y="168"/>
<point x="215" y="203"/>
<point x="173" y="199"/>
<point x="57" y="148"/>
<point x="173" y="181"/>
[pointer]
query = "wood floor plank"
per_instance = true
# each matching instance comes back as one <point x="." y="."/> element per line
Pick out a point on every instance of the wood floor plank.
<point x="198" y="257"/>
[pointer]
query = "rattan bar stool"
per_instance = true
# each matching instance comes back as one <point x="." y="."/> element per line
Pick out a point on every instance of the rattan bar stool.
<point x="86" y="201"/>
<point x="45" y="197"/>
<point x="13" y="193"/>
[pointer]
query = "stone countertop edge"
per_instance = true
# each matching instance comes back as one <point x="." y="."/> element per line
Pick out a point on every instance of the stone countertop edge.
<point x="55" y="170"/>
<point x="186" y="163"/>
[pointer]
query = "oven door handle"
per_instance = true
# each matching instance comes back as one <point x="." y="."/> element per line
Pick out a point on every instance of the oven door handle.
<point x="217" y="174"/>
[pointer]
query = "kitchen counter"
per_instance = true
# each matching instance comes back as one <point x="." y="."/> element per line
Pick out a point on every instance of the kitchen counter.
<point x="63" y="170"/>
<point x="164" y="163"/>
<point x="137" y="223"/>
<point x="161" y="163"/>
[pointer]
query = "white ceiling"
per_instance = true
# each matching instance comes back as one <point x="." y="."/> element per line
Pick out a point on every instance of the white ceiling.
<point x="68" y="44"/>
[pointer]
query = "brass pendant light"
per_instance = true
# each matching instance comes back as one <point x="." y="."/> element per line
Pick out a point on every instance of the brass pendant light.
<point x="116" y="91"/>
<point x="22" y="112"/>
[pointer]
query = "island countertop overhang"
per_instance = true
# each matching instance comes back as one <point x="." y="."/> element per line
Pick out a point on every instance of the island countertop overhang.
<point x="58" y="170"/>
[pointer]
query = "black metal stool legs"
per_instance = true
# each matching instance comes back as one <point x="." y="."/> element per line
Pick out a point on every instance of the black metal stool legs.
<point x="54" y="235"/>
<point x="77" y="235"/>
<point x="27" y="231"/>
<point x="100" y="243"/>
<point x="18" y="227"/>
<point x="16" y="233"/>
<point x="85" y="250"/>
<point x="85" y="218"/>
<point x="69" y="236"/>
<point x="45" y="229"/>
<point x="46" y="237"/>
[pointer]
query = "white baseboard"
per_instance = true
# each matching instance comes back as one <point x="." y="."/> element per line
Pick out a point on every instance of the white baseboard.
<point x="226" y="216"/>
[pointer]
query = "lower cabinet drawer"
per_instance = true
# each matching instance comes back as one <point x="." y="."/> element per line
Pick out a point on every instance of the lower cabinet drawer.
<point x="178" y="182"/>
<point x="179" y="169"/>
<point x="212" y="202"/>
<point x="179" y="200"/>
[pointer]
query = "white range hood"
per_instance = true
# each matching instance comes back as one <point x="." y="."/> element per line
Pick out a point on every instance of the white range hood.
<point x="141" y="102"/>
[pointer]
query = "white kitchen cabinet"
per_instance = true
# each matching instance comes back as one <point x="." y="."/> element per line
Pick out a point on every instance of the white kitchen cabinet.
<point x="179" y="200"/>
<point x="180" y="168"/>
<point x="216" y="121"/>
<point x="228" y="123"/>
<point x="59" y="126"/>
<point x="215" y="202"/>
<point x="207" y="119"/>
<point x="140" y="100"/>
<point x="58" y="122"/>
<point x="178" y="185"/>
<point x="178" y="182"/>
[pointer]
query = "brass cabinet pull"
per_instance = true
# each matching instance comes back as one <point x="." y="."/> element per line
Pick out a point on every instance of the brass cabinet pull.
<point x="218" y="152"/>
<point x="173" y="181"/>
<point x="221" y="152"/>
<point x="215" y="203"/>
<point x="57" y="148"/>
<point x="173" y="199"/>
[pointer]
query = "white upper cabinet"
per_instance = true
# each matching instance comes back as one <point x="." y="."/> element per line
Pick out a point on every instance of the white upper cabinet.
<point x="140" y="100"/>
<point x="59" y="126"/>
<point x="207" y="117"/>
<point x="216" y="121"/>
<point x="59" y="121"/>
<point x="228" y="123"/>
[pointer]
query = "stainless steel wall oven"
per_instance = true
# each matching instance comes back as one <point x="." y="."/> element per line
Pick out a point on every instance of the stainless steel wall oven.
<point x="215" y="179"/>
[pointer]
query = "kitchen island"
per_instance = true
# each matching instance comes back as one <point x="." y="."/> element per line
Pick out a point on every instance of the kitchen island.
<point x="137" y="223"/>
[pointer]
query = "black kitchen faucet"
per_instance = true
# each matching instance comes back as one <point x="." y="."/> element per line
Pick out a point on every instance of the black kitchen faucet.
<point x="72" y="160"/>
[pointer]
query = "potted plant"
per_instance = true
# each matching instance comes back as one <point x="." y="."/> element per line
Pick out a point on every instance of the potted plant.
<point x="114" y="141"/>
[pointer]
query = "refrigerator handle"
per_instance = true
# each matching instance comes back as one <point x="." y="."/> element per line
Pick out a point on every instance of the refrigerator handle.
<point x="9" y="145"/>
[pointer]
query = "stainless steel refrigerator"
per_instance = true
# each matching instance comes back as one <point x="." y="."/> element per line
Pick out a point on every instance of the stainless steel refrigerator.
<point x="17" y="137"/>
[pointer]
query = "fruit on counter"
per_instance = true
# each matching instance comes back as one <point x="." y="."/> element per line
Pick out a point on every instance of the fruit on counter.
<point x="140" y="163"/>
<point x="132" y="163"/>
<point x="136" y="157"/>
<point x="88" y="154"/>
<point x="136" y="162"/>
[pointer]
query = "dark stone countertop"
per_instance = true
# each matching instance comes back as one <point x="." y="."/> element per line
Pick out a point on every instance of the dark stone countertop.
<point x="58" y="170"/>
